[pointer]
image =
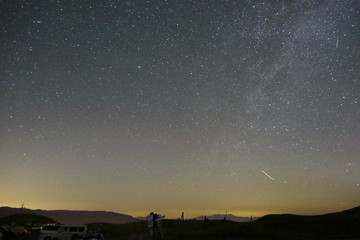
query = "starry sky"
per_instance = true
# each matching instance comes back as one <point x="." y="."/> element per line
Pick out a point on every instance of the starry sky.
<point x="250" y="107"/>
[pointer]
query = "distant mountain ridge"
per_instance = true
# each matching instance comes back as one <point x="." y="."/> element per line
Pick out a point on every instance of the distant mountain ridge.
<point x="27" y="218"/>
<point x="70" y="216"/>
<point x="229" y="217"/>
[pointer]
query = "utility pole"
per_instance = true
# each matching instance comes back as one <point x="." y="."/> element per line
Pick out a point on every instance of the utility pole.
<point x="182" y="217"/>
<point x="22" y="207"/>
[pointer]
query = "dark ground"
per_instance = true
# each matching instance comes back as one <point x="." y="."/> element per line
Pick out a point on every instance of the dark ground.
<point x="343" y="225"/>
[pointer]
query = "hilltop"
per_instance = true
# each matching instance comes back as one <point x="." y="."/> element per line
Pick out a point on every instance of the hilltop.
<point x="344" y="223"/>
<point x="26" y="219"/>
<point x="67" y="216"/>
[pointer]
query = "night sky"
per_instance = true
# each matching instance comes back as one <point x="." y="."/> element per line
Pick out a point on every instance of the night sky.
<point x="250" y="107"/>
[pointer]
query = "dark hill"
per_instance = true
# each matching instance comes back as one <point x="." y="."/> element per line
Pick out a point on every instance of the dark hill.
<point x="333" y="226"/>
<point x="66" y="216"/>
<point x="345" y="223"/>
<point x="347" y="215"/>
<point x="23" y="219"/>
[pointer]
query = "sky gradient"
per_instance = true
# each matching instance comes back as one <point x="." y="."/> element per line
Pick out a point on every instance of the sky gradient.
<point x="250" y="107"/>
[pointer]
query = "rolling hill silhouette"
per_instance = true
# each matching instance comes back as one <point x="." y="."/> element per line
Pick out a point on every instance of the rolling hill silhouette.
<point x="23" y="219"/>
<point x="67" y="217"/>
<point x="344" y="223"/>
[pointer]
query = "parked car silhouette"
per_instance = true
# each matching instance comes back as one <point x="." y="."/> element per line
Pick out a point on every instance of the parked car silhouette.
<point x="67" y="232"/>
<point x="6" y="233"/>
<point x="17" y="230"/>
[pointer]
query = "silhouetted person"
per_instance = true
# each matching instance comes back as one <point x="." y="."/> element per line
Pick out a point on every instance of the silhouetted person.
<point x="150" y="220"/>
<point x="155" y="220"/>
<point x="154" y="224"/>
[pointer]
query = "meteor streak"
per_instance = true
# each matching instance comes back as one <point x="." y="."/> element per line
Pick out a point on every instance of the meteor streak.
<point x="267" y="175"/>
<point x="337" y="42"/>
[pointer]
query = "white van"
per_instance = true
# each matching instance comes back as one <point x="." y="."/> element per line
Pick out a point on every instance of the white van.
<point x="47" y="230"/>
<point x="70" y="232"/>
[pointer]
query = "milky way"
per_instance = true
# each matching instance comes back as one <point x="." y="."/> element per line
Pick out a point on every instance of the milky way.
<point x="195" y="106"/>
